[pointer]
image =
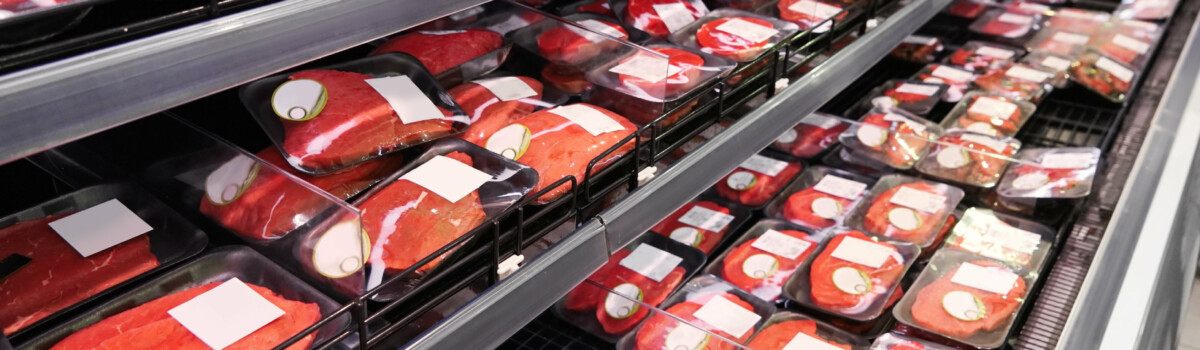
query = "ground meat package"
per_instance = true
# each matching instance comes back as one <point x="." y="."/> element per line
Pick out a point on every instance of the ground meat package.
<point x="703" y="223"/>
<point x="718" y="315"/>
<point x="1049" y="62"/>
<point x="989" y="114"/>
<point x="758" y="179"/>
<point x="788" y="330"/>
<point x="734" y="34"/>
<point x="764" y="257"/>
<point x="815" y="15"/>
<point x="60" y="272"/>
<point x="1002" y="237"/>
<point x="852" y="274"/>
<point x="139" y="319"/>
<point x="913" y="96"/>
<point x="956" y="79"/>
<point x="1017" y="81"/>
<point x="452" y="56"/>
<point x="659" y="18"/>
<point x="1104" y="75"/>
<point x="893" y="341"/>
<point x="814" y="134"/>
<point x="906" y="208"/>
<point x="1004" y="26"/>
<point x="614" y="299"/>
<point x="1051" y="173"/>
<point x="969" y="158"/>
<point x="643" y="86"/>
<point x="979" y="56"/>
<point x="893" y="137"/>
<point x="820" y="198"/>
<point x="327" y="119"/>
<point x="966" y="298"/>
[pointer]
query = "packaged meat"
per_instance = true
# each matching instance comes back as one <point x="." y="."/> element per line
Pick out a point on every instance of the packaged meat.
<point x="1078" y="20"/>
<point x="1129" y="50"/>
<point x="813" y="15"/>
<point x="764" y="257"/>
<point x="843" y="158"/>
<point x="969" y="158"/>
<point x="738" y="35"/>
<point x="896" y="138"/>
<point x="568" y="44"/>
<point x="988" y="114"/>
<point x="260" y="203"/>
<point x="599" y="7"/>
<point x="647" y="270"/>
<point x="970" y="9"/>
<point x="906" y="208"/>
<point x="820" y="198"/>
<point x="453" y="56"/>
<point x="643" y="86"/>
<point x="1150" y="10"/>
<point x="1002" y="237"/>
<point x="814" y="134"/>
<point x="1051" y="173"/>
<point x="910" y="95"/>
<point x="1016" y="81"/>
<point x="139" y="319"/>
<point x="57" y="276"/>
<point x="565" y="78"/>
<point x="1049" y="62"/>
<point x="659" y="18"/>
<point x="1058" y="42"/>
<point x="979" y="56"/>
<point x="330" y="118"/>
<point x="918" y="49"/>
<point x="1028" y="8"/>
<point x="956" y="79"/>
<point x="1145" y="31"/>
<point x="495" y="102"/>
<point x="758" y="179"/>
<point x="715" y="306"/>
<point x="1006" y="26"/>
<point x="787" y="330"/>
<point x="893" y="341"/>
<point x="703" y="224"/>
<point x="852" y="275"/>
<point x="966" y="298"/>
<point x="1104" y="75"/>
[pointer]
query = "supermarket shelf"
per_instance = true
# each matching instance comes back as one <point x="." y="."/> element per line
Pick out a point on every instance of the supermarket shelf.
<point x="503" y="309"/>
<point x="1137" y="286"/>
<point x="43" y="105"/>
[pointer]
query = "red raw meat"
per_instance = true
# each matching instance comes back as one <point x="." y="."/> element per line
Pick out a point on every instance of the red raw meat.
<point x="269" y="207"/>
<point x="148" y="326"/>
<point x="761" y="189"/>
<point x="689" y="64"/>
<point x="488" y="113"/>
<point x="971" y="60"/>
<point x="771" y="283"/>
<point x="866" y="327"/>
<point x="928" y="312"/>
<point x="355" y="124"/>
<point x="570" y="45"/>
<point x="997" y="81"/>
<point x="705" y="240"/>
<point x="1004" y="29"/>
<point x="1099" y="80"/>
<point x="966" y="8"/>
<point x="907" y="345"/>
<point x="877" y="220"/>
<point x="807" y="19"/>
<point x="729" y="45"/>
<point x="979" y="169"/>
<point x="56" y="275"/>
<point x="599" y="7"/>
<point x="407" y="222"/>
<point x="586" y="296"/>
<point x="653" y="334"/>
<point x="440" y="52"/>
<point x="907" y="100"/>
<point x="1007" y="126"/>
<point x="566" y="78"/>
<point x="1077" y="20"/>
<point x="798" y="209"/>
<point x="1056" y="180"/>
<point x="1118" y="52"/>
<point x="777" y="336"/>
<point x="827" y="295"/>
<point x="641" y="15"/>
<point x="941" y="237"/>
<point x="903" y="145"/>
<point x="812" y="139"/>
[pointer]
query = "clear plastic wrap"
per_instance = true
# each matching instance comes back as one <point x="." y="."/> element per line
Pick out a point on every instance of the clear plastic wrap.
<point x="659" y="18"/>
<point x="814" y="134"/>
<point x="1051" y="173"/>
<point x="914" y="96"/>
<point x="981" y="56"/>
<point x="1002" y="237"/>
<point x="1151" y="10"/>
<point x="565" y="43"/>
<point x="762" y="260"/>
<point x="758" y="179"/>
<point x="956" y="79"/>
<point x="906" y="208"/>
<point x="452" y="56"/>
<point x="989" y="114"/>
<point x="1049" y="62"/>
<point x="820" y="198"/>
<point x="1104" y="75"/>
<point x="918" y="49"/>
<point x="966" y="8"/>
<point x="327" y="119"/>
<point x="495" y="101"/>
<point x="599" y="7"/>
<point x="1058" y="42"/>
<point x="1017" y="81"/>
<point x="1006" y="26"/>
<point x="1130" y="50"/>
<point x="843" y="158"/>
<point x="703" y="224"/>
<point x="893" y="341"/>
<point x="1077" y="20"/>
<point x="719" y="309"/>
<point x="852" y="275"/>
<point x="895" y="138"/>
<point x="1028" y="8"/>
<point x="808" y="14"/>
<point x="1146" y="31"/>
<point x="968" y="158"/>
<point x="642" y="87"/>
<point x="737" y="35"/>
<point x="788" y="330"/>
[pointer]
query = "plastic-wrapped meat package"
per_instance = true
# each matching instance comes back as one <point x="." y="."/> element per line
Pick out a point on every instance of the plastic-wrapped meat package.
<point x="820" y="198"/>
<point x="1127" y="49"/>
<point x="713" y="305"/>
<point x="895" y="138"/>
<point x="966" y="8"/>
<point x="1058" y="42"/>
<point x="1016" y="81"/>
<point x="643" y="87"/>
<point x="1146" y="31"/>
<point x="981" y="56"/>
<point x="990" y="115"/>
<point x="787" y="330"/>
<point x="1146" y="9"/>
<point x="1028" y="8"/>
<point x="1005" y="25"/>
<point x="918" y="49"/>
<point x="913" y="96"/>
<point x="599" y="7"/>
<point x="566" y="78"/>
<point x="496" y="102"/>
<point x="1051" y="173"/>
<point x="1050" y="62"/>
<point x="763" y="259"/>
<point x="853" y="275"/>
<point x="757" y="180"/>
<point x="570" y="45"/>
<point x="956" y="79"/>
<point x="810" y="13"/>
<point x="1002" y="237"/>
<point x="907" y="209"/>
<point x="660" y="18"/>
<point x="969" y="158"/>
<point x="737" y="35"/>
<point x="263" y="204"/>
<point x="893" y="341"/>
<point x="814" y="134"/>
<point x="439" y="51"/>
<point x="1078" y="20"/>
<point x="149" y="326"/>
<point x="701" y="224"/>
<point x="1102" y="74"/>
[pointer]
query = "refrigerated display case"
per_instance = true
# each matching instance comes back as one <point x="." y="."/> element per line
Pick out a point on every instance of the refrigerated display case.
<point x="159" y="108"/>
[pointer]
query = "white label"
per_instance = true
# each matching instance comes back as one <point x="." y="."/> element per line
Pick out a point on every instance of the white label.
<point x="230" y="180"/>
<point x="915" y="125"/>
<point x="815" y="9"/>
<point x="781" y="244"/>
<point x="1132" y="44"/>
<point x="1028" y="74"/>
<point x="619" y="303"/>
<point x="788" y="136"/>
<point x="764" y="165"/>
<point x="1116" y="69"/>
<point x="919" y="40"/>
<point x="464" y="14"/>
<point x="674" y="15"/>
<point x="1033" y="7"/>
<point x="685" y="337"/>
<point x="448" y="178"/>
<point x="1070" y="38"/>
<point x="1143" y="25"/>
<point x="992" y="107"/>
<point x="651" y="262"/>
<point x="924" y="90"/>
<point x="747" y="30"/>
<point x="1013" y="238"/>
<point x="602" y="28"/>
<point x="706" y="219"/>
<point x="994" y="280"/>
<point x="952" y="74"/>
<point x="1067" y="160"/>
<point x="1057" y="63"/>
<point x="848" y="189"/>
<point x="728" y="317"/>
<point x="406" y="99"/>
<point x="510" y="24"/>
<point x="994" y="144"/>
<point x="1015" y="18"/>
<point x="507" y="88"/>
<point x="103" y="226"/>
<point x="225" y="314"/>
<point x="803" y="341"/>
<point x="592" y="120"/>
<point x="995" y="52"/>
<point x="919" y="200"/>
<point x="862" y="252"/>
<point x="1072" y="13"/>
<point x="820" y="121"/>
<point x="441" y="32"/>
<point x="646" y="67"/>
